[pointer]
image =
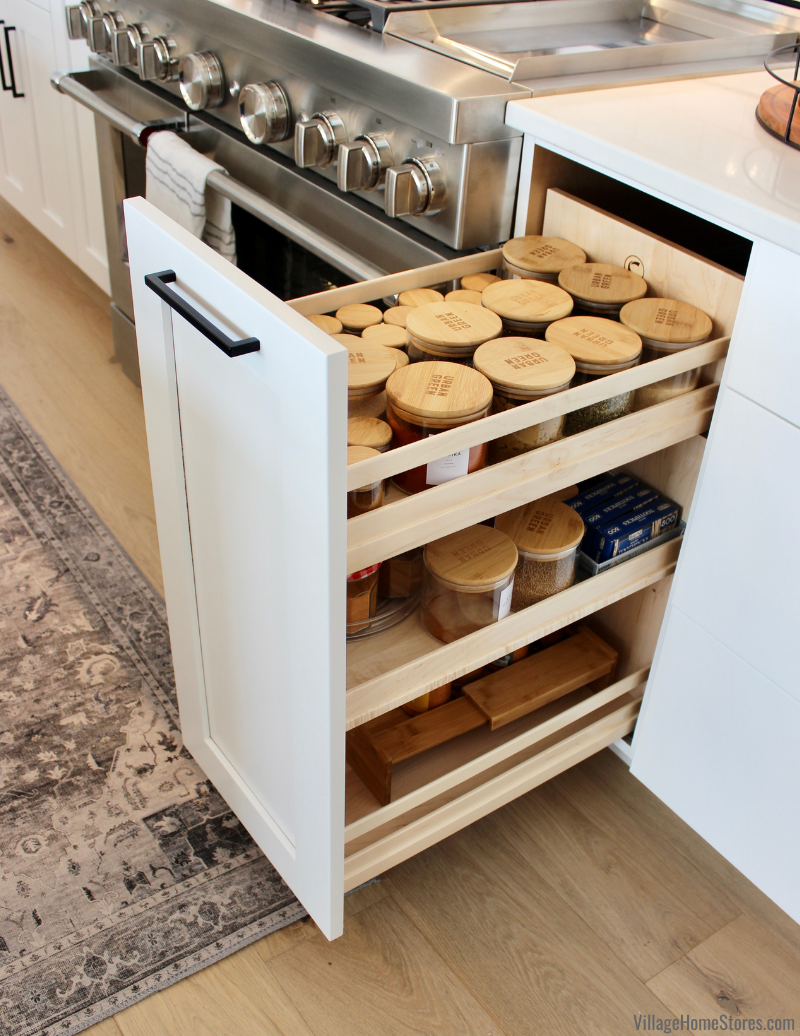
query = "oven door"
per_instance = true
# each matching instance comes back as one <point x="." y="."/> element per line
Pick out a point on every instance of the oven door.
<point x="296" y="233"/>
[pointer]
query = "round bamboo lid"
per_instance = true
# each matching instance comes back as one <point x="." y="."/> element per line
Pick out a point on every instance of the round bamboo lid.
<point x="479" y="281"/>
<point x="438" y="389"/>
<point x="595" y="340"/>
<point x="546" y="526"/>
<point x="527" y="302"/>
<point x="419" y="297"/>
<point x="603" y="283"/>
<point x="525" y="364"/>
<point x="476" y="557"/>
<point x="538" y="254"/>
<point x="390" y="335"/>
<point x="464" y="295"/>
<point x="330" y="325"/>
<point x="369" y="367"/>
<point x="357" y="453"/>
<point x="368" y="431"/>
<point x="453" y="324"/>
<point x="358" y="316"/>
<point x="397" y="315"/>
<point x="402" y="358"/>
<point x="666" y="320"/>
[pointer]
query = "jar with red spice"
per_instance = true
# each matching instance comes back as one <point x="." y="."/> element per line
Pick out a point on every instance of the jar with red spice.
<point x="426" y="398"/>
<point x="362" y="598"/>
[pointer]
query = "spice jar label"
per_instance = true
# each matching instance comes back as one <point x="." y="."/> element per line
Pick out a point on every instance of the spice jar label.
<point x="501" y="605"/>
<point x="454" y="465"/>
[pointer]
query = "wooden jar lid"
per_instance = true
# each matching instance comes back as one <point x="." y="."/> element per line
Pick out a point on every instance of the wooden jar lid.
<point x="369" y="367"/>
<point x="473" y="558"/>
<point x="368" y="431"/>
<point x="390" y="335"/>
<point x="479" y="281"/>
<point x="603" y="283"/>
<point x="330" y="325"/>
<point x="397" y="315"/>
<point x="357" y="453"/>
<point x="453" y="324"/>
<point x="527" y="302"/>
<point x="358" y="316"/>
<point x="419" y="297"/>
<point x="545" y="527"/>
<point x="666" y="320"/>
<point x="525" y="364"/>
<point x="538" y="254"/>
<point x="464" y="295"/>
<point x="596" y="341"/>
<point x="402" y="358"/>
<point x="438" y="389"/>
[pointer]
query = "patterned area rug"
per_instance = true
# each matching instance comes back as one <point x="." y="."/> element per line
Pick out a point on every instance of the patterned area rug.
<point x="121" y="868"/>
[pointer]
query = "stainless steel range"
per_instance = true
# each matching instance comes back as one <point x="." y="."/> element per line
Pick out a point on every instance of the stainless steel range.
<point x="370" y="134"/>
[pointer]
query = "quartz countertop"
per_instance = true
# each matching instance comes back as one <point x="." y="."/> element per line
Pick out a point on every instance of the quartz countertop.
<point x="695" y="142"/>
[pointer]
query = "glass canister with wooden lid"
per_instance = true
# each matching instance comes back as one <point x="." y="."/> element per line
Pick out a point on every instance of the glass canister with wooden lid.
<point x="599" y="347"/>
<point x="666" y="326"/>
<point x="478" y="281"/>
<point x="357" y="316"/>
<point x="424" y="399"/>
<point x="367" y="371"/>
<point x="449" y="331"/>
<point x="367" y="497"/>
<point x="391" y="336"/>
<point x="600" y="288"/>
<point x="547" y="534"/>
<point x="527" y="307"/>
<point x="540" y="258"/>
<point x="469" y="581"/>
<point x="369" y="431"/>
<point x="520" y="370"/>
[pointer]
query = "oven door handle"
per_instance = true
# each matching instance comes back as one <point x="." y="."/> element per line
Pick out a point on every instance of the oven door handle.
<point x="240" y="194"/>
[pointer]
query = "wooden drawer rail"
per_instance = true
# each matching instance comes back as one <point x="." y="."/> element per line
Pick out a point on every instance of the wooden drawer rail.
<point x="435" y="446"/>
<point x="432" y="827"/>
<point x="438" y="511"/>
<point x="444" y="663"/>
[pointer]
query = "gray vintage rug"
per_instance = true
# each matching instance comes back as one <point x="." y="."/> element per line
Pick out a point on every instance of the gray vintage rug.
<point x="121" y="868"/>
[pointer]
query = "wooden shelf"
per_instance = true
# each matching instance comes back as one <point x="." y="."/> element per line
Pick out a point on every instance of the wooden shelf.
<point x="393" y="667"/>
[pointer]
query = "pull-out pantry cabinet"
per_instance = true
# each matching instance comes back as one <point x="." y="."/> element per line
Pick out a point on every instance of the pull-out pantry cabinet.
<point x="250" y="478"/>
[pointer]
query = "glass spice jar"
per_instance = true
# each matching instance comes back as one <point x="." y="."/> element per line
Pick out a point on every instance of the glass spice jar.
<point x="600" y="288"/>
<point x="449" y="331"/>
<point x="369" y="431"/>
<point x="365" y="498"/>
<point x="427" y="398"/>
<point x="469" y="581"/>
<point x="362" y="598"/>
<point x="391" y="336"/>
<point x="472" y="298"/>
<point x="540" y="258"/>
<point x="599" y="347"/>
<point x="666" y="326"/>
<point x="479" y="281"/>
<point x="354" y="318"/>
<point x="419" y="297"/>
<point x="547" y="534"/>
<point x="430" y="700"/>
<point x="521" y="370"/>
<point x="527" y="307"/>
<point x="397" y="315"/>
<point x="330" y="325"/>
<point x="368" y="368"/>
<point x="401" y="576"/>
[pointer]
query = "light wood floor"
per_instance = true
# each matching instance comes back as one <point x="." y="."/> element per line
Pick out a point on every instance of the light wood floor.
<point x="573" y="910"/>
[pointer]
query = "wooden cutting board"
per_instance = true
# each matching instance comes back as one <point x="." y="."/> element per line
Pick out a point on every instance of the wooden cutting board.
<point x="773" y="112"/>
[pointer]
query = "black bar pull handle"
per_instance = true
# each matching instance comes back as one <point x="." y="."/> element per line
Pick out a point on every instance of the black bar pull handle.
<point x="157" y="282"/>
<point x="12" y="82"/>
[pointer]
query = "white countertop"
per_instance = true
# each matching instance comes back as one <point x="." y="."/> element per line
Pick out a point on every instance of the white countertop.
<point x="695" y="142"/>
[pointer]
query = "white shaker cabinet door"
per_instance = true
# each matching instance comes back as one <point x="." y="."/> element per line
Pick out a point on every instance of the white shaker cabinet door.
<point x="248" y="460"/>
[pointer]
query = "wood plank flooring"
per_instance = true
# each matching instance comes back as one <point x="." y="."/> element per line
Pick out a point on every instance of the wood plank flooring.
<point x="575" y="909"/>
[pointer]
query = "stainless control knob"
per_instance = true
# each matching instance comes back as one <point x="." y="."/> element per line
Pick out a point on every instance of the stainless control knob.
<point x="155" y="59"/>
<point x="101" y="29"/>
<point x="316" y="140"/>
<point x="414" y="188"/>
<point x="363" y="163"/>
<point x="78" y="17"/>
<point x="202" y="81"/>
<point x="125" y="42"/>
<point x="264" y="112"/>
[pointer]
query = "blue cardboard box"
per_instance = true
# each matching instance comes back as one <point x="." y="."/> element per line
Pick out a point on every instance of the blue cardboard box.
<point x="609" y="487"/>
<point x="632" y="529"/>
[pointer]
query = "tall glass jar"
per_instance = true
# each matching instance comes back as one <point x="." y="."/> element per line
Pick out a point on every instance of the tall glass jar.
<point x="368" y="497"/>
<point x="600" y="288"/>
<point x="427" y="398"/>
<point x="599" y="347"/>
<point x="527" y="307"/>
<point x="450" y="331"/>
<point x="469" y="581"/>
<point x="368" y="368"/>
<point x="540" y="258"/>
<point x="522" y="370"/>
<point x="666" y="326"/>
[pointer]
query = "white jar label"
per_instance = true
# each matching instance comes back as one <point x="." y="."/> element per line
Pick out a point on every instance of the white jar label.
<point x="501" y="605"/>
<point x="454" y="465"/>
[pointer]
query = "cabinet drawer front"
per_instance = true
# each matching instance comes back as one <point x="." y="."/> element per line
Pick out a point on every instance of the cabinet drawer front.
<point x="248" y="478"/>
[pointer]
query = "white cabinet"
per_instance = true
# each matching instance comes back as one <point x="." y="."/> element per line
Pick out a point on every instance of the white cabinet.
<point x="48" y="154"/>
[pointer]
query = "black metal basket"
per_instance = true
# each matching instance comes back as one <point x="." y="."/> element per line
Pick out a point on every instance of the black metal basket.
<point x="782" y="54"/>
